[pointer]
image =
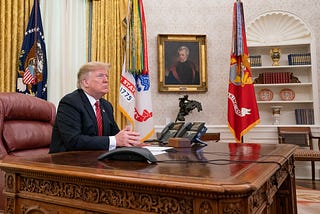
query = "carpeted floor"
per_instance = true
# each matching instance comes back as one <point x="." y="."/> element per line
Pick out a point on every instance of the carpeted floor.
<point x="308" y="201"/>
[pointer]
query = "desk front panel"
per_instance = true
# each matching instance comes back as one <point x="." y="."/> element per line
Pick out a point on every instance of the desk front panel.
<point x="221" y="178"/>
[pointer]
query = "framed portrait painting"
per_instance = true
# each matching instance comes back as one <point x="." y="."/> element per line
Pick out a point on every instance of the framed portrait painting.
<point x="182" y="63"/>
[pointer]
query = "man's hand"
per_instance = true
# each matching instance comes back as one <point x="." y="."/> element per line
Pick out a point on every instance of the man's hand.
<point x="126" y="137"/>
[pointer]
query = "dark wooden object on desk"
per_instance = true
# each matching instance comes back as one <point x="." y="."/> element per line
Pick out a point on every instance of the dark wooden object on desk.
<point x="301" y="136"/>
<point x="210" y="137"/>
<point x="179" y="142"/>
<point x="220" y="178"/>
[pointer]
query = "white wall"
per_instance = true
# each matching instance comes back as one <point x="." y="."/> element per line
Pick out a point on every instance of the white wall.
<point x="214" y="19"/>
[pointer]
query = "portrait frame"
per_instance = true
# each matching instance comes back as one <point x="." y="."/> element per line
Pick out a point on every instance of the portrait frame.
<point x="168" y="45"/>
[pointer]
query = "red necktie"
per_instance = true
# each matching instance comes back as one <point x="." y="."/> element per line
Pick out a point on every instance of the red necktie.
<point x="99" y="118"/>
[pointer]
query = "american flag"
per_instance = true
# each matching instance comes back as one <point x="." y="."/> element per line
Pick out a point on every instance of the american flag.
<point x="32" y="71"/>
<point x="28" y="78"/>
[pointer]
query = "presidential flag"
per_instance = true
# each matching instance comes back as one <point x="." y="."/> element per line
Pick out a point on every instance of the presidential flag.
<point x="32" y="71"/>
<point x="243" y="111"/>
<point x="135" y="95"/>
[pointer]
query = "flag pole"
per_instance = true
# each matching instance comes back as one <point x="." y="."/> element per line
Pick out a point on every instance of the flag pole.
<point x="36" y="25"/>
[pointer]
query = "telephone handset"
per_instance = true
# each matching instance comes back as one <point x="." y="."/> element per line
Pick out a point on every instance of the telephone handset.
<point x="193" y="131"/>
<point x="182" y="132"/>
<point x="169" y="131"/>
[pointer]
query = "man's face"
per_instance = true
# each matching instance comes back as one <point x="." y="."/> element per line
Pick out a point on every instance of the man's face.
<point x="183" y="56"/>
<point x="96" y="83"/>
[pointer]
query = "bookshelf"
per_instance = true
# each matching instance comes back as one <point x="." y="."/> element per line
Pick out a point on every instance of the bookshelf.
<point x="291" y="85"/>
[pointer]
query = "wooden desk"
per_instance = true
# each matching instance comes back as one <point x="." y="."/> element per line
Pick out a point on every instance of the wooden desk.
<point x="215" y="179"/>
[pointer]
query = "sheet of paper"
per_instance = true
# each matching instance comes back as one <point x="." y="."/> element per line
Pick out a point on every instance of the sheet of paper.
<point x="157" y="150"/>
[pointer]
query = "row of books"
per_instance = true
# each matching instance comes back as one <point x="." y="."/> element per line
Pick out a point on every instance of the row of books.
<point x="293" y="59"/>
<point x="255" y="60"/>
<point x="299" y="59"/>
<point x="304" y="116"/>
<point x="276" y="77"/>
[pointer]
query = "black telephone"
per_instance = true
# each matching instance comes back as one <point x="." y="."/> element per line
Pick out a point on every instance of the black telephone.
<point x="193" y="131"/>
<point x="169" y="131"/>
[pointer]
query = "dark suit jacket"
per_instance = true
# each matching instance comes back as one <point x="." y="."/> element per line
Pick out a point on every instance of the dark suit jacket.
<point x="76" y="126"/>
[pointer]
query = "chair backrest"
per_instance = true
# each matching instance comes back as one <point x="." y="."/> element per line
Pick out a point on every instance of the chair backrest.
<point x="25" y="123"/>
<point x="300" y="136"/>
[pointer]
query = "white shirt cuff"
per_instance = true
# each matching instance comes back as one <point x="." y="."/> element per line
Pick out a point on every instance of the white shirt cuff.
<point x="112" y="143"/>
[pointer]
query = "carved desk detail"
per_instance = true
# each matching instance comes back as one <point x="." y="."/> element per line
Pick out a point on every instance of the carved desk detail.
<point x="35" y="188"/>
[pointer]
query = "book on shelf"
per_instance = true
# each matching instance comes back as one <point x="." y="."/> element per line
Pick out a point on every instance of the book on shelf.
<point x="304" y="116"/>
<point x="276" y="78"/>
<point x="299" y="59"/>
<point x="255" y="61"/>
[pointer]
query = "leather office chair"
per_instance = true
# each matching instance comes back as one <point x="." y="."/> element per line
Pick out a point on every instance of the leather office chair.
<point x="302" y="137"/>
<point x="25" y="127"/>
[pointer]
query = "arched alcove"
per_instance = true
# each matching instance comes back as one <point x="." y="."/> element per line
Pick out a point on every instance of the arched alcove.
<point x="277" y="28"/>
<point x="294" y="38"/>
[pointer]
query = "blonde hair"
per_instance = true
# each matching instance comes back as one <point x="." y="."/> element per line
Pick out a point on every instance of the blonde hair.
<point x="88" y="67"/>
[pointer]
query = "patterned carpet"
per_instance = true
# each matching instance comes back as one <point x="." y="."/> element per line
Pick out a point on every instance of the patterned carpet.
<point x="308" y="201"/>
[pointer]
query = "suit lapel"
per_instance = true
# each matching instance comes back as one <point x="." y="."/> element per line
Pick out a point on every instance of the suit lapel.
<point x="89" y="108"/>
<point x="104" y="113"/>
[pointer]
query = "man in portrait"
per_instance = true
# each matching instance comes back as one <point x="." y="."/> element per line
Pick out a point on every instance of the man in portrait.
<point x="183" y="70"/>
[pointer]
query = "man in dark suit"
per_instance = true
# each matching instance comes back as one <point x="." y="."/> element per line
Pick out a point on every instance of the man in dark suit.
<point x="76" y="125"/>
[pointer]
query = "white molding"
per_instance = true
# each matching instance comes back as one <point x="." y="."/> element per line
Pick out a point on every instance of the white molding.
<point x="277" y="28"/>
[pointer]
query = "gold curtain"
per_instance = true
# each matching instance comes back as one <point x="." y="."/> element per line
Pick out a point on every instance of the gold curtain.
<point x="107" y="44"/>
<point x="14" y="17"/>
